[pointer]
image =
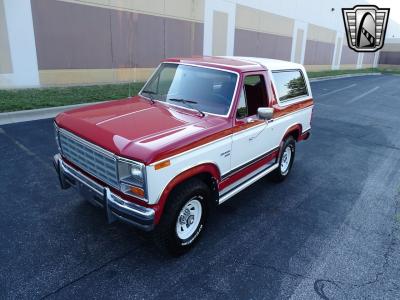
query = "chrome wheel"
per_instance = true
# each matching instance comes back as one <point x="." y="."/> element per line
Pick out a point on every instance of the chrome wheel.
<point x="189" y="218"/>
<point x="286" y="158"/>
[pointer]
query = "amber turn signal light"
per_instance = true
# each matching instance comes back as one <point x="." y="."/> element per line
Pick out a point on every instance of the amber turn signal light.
<point x="163" y="164"/>
<point x="137" y="191"/>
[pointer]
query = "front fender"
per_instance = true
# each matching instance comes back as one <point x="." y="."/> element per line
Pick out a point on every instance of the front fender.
<point x="209" y="168"/>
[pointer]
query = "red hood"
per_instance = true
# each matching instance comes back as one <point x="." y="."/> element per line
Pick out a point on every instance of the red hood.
<point x="136" y="129"/>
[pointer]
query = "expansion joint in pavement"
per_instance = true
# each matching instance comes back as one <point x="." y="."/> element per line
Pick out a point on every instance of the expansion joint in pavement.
<point x="88" y="273"/>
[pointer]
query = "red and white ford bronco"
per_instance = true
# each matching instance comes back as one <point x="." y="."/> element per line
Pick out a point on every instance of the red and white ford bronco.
<point x="201" y="130"/>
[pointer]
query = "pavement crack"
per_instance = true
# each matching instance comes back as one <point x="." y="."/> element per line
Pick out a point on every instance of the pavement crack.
<point x="321" y="285"/>
<point x="88" y="273"/>
<point x="386" y="255"/>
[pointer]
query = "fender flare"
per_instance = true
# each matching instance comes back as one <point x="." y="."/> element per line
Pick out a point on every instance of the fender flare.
<point x="294" y="128"/>
<point x="210" y="168"/>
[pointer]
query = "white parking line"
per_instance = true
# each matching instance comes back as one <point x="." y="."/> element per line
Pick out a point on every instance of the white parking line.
<point x="363" y="95"/>
<point x="338" y="90"/>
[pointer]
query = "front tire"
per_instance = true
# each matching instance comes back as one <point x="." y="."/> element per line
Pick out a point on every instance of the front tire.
<point x="286" y="159"/>
<point x="184" y="218"/>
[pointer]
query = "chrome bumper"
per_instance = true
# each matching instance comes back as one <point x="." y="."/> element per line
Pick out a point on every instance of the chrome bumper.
<point x="115" y="207"/>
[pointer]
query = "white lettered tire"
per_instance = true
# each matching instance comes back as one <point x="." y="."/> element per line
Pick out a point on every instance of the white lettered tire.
<point x="184" y="217"/>
<point x="286" y="159"/>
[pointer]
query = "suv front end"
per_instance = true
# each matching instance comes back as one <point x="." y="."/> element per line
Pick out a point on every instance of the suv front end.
<point x="104" y="179"/>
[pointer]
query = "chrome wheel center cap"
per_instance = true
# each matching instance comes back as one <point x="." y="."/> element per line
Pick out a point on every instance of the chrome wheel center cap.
<point x="184" y="218"/>
<point x="190" y="220"/>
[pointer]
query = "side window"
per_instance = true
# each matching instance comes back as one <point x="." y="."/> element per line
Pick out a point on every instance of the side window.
<point x="290" y="84"/>
<point x="253" y="96"/>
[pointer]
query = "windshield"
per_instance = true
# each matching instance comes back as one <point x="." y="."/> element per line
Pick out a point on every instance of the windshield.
<point x="202" y="89"/>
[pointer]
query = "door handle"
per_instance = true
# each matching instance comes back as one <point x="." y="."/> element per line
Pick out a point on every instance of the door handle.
<point x="258" y="133"/>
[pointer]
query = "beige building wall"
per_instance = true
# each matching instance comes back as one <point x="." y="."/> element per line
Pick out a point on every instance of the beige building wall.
<point x="106" y="41"/>
<point x="321" y="34"/>
<point x="89" y="76"/>
<point x="95" y="41"/>
<point x="320" y="48"/>
<point x="389" y="56"/>
<point x="252" y="19"/>
<point x="263" y="34"/>
<point x="192" y="10"/>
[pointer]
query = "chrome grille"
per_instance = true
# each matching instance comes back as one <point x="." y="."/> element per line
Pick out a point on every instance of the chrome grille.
<point x="89" y="157"/>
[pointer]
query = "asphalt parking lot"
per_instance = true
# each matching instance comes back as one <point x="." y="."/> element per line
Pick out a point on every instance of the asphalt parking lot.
<point x="331" y="231"/>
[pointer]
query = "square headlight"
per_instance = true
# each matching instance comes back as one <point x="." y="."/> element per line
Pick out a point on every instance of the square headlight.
<point x="131" y="174"/>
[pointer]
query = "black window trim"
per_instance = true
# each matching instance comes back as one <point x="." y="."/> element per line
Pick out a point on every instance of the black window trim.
<point x="290" y="100"/>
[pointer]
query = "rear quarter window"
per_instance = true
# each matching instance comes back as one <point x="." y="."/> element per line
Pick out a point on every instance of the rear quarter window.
<point x="290" y="84"/>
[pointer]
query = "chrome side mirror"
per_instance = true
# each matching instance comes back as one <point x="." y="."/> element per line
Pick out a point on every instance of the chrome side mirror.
<point x="265" y="113"/>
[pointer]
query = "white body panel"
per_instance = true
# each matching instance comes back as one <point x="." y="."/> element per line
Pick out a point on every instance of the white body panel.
<point x="239" y="148"/>
<point x="216" y="152"/>
<point x="251" y="143"/>
<point x="258" y="140"/>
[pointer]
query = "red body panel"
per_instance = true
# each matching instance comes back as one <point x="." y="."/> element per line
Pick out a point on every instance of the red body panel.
<point x="136" y="129"/>
<point x="247" y="170"/>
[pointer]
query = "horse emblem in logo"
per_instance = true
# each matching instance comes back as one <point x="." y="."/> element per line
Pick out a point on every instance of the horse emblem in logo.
<point x="365" y="27"/>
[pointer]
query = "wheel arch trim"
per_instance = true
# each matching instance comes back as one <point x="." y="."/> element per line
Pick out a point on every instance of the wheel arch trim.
<point x="296" y="128"/>
<point x="206" y="167"/>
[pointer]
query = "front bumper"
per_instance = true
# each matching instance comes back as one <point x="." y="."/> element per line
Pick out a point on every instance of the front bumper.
<point x="115" y="207"/>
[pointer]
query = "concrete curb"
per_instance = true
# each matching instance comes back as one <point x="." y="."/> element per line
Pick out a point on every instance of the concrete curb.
<point x="316" y="79"/>
<point x="37" y="114"/>
<point x="46" y="113"/>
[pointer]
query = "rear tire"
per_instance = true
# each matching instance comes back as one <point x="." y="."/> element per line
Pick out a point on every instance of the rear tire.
<point x="286" y="159"/>
<point x="183" y="219"/>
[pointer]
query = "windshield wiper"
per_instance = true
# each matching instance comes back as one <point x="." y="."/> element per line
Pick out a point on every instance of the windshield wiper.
<point x="188" y="103"/>
<point x="150" y="93"/>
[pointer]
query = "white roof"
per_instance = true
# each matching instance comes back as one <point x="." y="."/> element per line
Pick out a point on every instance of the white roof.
<point x="270" y="64"/>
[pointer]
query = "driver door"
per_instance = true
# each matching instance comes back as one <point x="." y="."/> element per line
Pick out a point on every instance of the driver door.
<point x="251" y="138"/>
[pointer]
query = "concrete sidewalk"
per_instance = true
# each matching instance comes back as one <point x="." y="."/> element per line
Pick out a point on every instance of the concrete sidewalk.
<point x="37" y="114"/>
<point x="341" y="76"/>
